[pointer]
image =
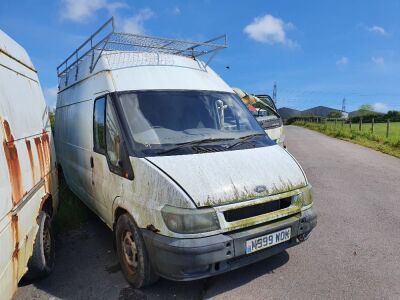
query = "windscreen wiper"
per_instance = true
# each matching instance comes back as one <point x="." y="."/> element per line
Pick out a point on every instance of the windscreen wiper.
<point x="194" y="143"/>
<point x="245" y="138"/>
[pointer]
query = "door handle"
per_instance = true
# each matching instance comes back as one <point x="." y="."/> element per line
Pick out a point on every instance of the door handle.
<point x="91" y="162"/>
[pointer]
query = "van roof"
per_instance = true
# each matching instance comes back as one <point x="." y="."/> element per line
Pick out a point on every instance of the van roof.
<point x="14" y="50"/>
<point x="107" y="49"/>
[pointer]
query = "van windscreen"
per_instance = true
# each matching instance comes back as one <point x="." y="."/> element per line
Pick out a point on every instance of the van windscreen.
<point x="164" y="118"/>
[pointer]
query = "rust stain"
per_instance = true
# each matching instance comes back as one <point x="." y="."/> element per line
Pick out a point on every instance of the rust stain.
<point x="47" y="158"/>
<point x="39" y="148"/>
<point x="15" y="230"/>
<point x="29" y="148"/>
<point x="15" y="255"/>
<point x="43" y="149"/>
<point x="46" y="149"/>
<point x="14" y="168"/>
<point x="42" y="203"/>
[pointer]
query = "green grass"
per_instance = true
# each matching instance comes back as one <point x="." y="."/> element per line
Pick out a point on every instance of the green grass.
<point x="376" y="140"/>
<point x="379" y="129"/>
<point x="72" y="213"/>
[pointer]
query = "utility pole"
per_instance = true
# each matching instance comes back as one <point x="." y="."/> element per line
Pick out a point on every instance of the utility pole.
<point x="274" y="94"/>
<point x="344" y="104"/>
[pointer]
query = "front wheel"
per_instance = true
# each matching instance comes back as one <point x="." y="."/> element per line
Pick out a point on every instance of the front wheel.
<point x="42" y="260"/>
<point x="132" y="253"/>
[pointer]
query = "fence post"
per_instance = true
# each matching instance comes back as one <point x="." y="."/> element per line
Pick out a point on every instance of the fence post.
<point x="360" y="124"/>
<point x="350" y="124"/>
<point x="335" y="123"/>
<point x="372" y="125"/>
<point x="387" y="128"/>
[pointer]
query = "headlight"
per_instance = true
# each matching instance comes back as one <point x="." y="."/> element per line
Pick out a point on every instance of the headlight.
<point x="184" y="220"/>
<point x="306" y="196"/>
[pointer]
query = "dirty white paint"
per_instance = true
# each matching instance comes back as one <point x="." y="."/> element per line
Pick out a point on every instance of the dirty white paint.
<point x="27" y="160"/>
<point x="213" y="179"/>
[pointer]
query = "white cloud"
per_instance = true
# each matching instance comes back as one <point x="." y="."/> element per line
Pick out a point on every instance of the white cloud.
<point x="50" y="94"/>
<point x="377" y="29"/>
<point x="135" y="24"/>
<point x="380" y="107"/>
<point x="176" y="10"/>
<point x="82" y="11"/>
<point x="270" y="30"/>
<point x="378" y="60"/>
<point x="342" y="61"/>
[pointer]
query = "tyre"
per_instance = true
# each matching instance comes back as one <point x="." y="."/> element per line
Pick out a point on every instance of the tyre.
<point x="42" y="260"/>
<point x="132" y="253"/>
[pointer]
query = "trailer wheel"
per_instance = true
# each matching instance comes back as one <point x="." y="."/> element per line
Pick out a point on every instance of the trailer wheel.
<point x="132" y="253"/>
<point x="42" y="260"/>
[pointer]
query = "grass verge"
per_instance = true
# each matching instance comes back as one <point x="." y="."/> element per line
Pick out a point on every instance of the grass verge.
<point x="72" y="213"/>
<point x="367" y="139"/>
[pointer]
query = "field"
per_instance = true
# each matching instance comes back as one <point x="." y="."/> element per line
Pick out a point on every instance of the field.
<point x="379" y="129"/>
<point x="376" y="140"/>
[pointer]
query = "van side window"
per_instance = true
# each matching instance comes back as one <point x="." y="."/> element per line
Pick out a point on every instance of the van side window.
<point x="99" y="126"/>
<point x="113" y="136"/>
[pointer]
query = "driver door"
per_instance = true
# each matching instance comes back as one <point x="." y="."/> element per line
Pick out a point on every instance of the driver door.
<point x="110" y="160"/>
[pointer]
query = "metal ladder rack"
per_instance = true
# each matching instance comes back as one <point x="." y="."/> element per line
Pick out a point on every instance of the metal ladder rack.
<point x="107" y="39"/>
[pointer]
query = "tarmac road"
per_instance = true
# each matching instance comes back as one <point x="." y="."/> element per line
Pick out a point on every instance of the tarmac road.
<point x="354" y="252"/>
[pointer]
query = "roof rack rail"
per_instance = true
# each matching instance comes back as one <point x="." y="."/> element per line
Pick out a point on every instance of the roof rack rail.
<point x="107" y="39"/>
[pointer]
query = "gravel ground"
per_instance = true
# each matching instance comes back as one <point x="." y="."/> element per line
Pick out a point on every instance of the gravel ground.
<point x="352" y="253"/>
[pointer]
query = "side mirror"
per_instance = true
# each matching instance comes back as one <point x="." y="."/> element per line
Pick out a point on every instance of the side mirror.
<point x="125" y="164"/>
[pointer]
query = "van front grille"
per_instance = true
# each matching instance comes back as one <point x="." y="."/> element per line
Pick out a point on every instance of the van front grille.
<point x="256" y="210"/>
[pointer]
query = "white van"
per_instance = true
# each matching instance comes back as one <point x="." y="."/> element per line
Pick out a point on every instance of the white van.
<point x="28" y="181"/>
<point x="163" y="150"/>
<point x="264" y="110"/>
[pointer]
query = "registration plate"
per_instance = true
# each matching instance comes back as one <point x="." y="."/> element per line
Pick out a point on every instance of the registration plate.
<point x="267" y="240"/>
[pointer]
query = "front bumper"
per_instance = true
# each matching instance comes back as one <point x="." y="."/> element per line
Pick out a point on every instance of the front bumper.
<point x="190" y="259"/>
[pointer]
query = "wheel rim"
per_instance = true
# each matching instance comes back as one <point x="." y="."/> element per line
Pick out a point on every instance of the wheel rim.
<point x="130" y="250"/>
<point x="47" y="242"/>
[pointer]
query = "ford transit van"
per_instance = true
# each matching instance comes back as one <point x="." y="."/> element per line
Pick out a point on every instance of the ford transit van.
<point x="153" y="141"/>
<point x="28" y="179"/>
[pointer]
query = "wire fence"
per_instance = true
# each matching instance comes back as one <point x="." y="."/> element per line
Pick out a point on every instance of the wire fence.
<point x="387" y="132"/>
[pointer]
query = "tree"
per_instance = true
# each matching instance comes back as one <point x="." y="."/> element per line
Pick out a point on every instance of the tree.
<point x="335" y="114"/>
<point x="367" y="107"/>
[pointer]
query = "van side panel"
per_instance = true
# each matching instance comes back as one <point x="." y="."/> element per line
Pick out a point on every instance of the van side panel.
<point x="74" y="133"/>
<point x="74" y="146"/>
<point x="27" y="159"/>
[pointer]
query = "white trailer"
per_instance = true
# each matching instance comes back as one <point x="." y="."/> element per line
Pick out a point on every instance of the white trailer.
<point x="28" y="181"/>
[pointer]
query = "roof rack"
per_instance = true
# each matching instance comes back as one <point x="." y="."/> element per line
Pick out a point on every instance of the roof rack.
<point x="107" y="39"/>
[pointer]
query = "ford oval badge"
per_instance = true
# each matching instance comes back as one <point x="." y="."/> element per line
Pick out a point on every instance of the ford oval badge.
<point x="260" y="189"/>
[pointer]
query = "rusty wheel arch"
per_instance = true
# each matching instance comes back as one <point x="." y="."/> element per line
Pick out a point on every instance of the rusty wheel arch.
<point x="47" y="205"/>
<point x="119" y="211"/>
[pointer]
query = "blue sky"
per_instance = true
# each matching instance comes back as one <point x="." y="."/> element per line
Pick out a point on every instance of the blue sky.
<point x="317" y="51"/>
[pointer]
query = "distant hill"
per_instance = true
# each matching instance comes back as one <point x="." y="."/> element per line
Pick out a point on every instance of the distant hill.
<point x="287" y="112"/>
<point x="320" y="111"/>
